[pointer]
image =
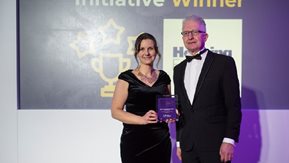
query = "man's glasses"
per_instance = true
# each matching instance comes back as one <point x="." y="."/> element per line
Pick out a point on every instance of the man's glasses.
<point x="193" y="33"/>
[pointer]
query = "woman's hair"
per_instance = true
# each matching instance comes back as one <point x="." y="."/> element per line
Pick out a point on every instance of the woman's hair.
<point x="138" y="41"/>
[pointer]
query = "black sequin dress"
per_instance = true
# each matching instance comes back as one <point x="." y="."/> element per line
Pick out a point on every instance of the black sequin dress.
<point x="145" y="143"/>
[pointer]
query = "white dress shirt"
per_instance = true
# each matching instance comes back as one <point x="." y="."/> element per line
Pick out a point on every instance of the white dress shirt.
<point x="192" y="73"/>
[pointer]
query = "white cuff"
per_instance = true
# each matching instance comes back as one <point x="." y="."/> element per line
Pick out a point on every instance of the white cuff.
<point x="178" y="144"/>
<point x="230" y="141"/>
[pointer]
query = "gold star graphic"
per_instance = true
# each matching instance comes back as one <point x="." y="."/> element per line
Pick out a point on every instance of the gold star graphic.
<point x="111" y="32"/>
<point x="83" y="45"/>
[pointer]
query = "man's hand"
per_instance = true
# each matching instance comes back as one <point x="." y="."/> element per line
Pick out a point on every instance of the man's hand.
<point x="179" y="153"/>
<point x="226" y="152"/>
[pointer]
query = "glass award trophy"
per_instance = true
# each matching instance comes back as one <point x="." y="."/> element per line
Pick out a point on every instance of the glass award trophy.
<point x="166" y="107"/>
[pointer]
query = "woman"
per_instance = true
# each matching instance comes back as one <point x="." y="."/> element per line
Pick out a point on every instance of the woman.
<point x="143" y="139"/>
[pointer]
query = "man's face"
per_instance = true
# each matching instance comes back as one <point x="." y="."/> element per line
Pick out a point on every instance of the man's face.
<point x="194" y="36"/>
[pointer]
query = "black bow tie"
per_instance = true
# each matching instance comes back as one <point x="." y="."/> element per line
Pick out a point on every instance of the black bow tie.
<point x="198" y="56"/>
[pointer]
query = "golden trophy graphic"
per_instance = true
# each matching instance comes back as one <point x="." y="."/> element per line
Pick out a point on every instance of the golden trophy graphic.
<point x="102" y="61"/>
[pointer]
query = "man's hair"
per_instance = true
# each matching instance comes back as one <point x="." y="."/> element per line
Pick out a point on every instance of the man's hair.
<point x="195" y="18"/>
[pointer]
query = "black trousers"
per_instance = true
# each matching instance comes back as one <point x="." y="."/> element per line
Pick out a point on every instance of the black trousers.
<point x="194" y="156"/>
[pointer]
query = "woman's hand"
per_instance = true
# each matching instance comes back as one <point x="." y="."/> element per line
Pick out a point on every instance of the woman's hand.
<point x="150" y="117"/>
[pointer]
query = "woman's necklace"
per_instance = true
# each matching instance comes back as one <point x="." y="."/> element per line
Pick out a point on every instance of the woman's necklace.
<point x="145" y="78"/>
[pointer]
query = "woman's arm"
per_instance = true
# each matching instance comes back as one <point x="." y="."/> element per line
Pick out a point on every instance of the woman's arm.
<point x="117" y="108"/>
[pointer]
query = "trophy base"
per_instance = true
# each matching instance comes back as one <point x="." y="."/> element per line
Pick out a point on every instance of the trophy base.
<point x="107" y="91"/>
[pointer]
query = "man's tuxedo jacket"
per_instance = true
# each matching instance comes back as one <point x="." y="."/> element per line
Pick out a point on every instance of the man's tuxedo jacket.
<point x="216" y="109"/>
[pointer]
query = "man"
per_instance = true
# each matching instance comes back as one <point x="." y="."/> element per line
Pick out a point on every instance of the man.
<point x="209" y="100"/>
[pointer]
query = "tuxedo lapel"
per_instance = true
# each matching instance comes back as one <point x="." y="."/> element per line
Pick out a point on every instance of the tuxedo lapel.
<point x="182" y="81"/>
<point x="206" y="67"/>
